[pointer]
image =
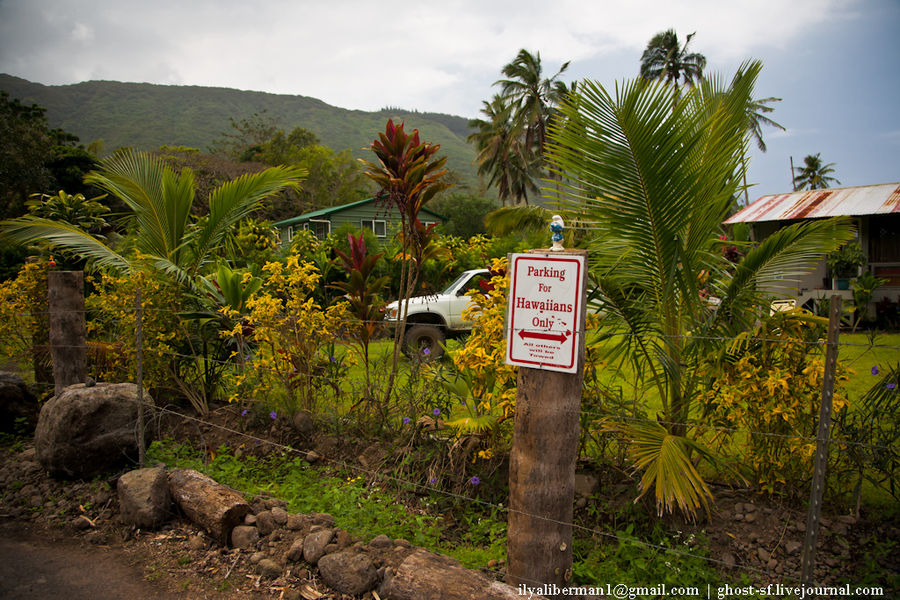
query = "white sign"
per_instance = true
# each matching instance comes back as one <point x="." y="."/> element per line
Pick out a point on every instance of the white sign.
<point x="545" y="311"/>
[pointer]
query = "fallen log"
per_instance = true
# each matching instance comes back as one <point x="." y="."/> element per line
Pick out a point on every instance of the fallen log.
<point x="216" y="508"/>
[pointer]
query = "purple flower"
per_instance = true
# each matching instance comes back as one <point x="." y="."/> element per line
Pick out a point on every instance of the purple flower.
<point x="273" y="415"/>
<point x="875" y="370"/>
<point x="244" y="413"/>
<point x="332" y="359"/>
<point x="436" y="411"/>
<point x="891" y="386"/>
<point x="426" y="351"/>
<point x="406" y="420"/>
<point x="475" y="480"/>
<point x="433" y="480"/>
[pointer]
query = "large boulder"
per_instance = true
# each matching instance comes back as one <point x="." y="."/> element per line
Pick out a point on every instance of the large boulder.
<point x="88" y="430"/>
<point x="17" y="403"/>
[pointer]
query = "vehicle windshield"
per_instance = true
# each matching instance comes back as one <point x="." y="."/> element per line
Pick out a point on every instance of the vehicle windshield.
<point x="456" y="281"/>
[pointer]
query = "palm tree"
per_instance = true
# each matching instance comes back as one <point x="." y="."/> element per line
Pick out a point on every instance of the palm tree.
<point x="503" y="154"/>
<point x="167" y="239"/>
<point x="664" y="58"/>
<point x="813" y="175"/>
<point x="756" y="111"/>
<point x="657" y="178"/>
<point x="532" y="95"/>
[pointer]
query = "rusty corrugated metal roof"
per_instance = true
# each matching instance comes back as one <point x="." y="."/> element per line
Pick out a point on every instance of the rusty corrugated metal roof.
<point x="830" y="202"/>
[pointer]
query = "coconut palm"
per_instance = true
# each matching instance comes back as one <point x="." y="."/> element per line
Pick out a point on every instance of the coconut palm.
<point x="664" y="58"/>
<point x="657" y="178"/>
<point x="532" y="95"/>
<point x="503" y="154"/>
<point x="168" y="239"/>
<point x="813" y="175"/>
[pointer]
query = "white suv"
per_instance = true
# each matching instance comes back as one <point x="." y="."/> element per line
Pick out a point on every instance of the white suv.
<point x="432" y="319"/>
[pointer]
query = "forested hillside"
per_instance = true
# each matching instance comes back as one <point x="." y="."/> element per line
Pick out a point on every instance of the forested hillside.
<point x="147" y="116"/>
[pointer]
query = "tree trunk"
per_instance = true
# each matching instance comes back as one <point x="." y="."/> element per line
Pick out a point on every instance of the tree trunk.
<point x="216" y="508"/>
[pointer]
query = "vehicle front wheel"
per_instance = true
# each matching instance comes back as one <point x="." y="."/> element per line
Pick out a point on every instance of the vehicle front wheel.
<point x="426" y="342"/>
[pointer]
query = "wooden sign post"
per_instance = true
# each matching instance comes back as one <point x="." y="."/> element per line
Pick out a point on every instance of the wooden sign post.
<point x="545" y="337"/>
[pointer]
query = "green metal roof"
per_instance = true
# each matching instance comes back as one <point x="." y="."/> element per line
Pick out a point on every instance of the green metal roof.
<point x="335" y="209"/>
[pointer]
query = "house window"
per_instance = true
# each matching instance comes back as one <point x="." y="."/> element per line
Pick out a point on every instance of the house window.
<point x="376" y="226"/>
<point x="320" y="228"/>
<point x="884" y="239"/>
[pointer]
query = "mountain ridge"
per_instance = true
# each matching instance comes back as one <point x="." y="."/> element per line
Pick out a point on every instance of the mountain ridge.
<point x="148" y="115"/>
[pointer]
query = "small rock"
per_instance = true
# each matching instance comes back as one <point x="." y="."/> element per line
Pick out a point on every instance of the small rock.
<point x="314" y="545"/>
<point x="256" y="557"/>
<point x="244" y="536"/>
<point x="197" y="542"/>
<point x="401" y="542"/>
<point x="268" y="568"/>
<point x="792" y="547"/>
<point x="295" y="553"/>
<point x="750" y="517"/>
<point x="332" y="548"/>
<point x="728" y="560"/>
<point x="739" y="517"/>
<point x="250" y="519"/>
<point x="280" y="515"/>
<point x="303" y="423"/>
<point x="323" y="519"/>
<point x="295" y="522"/>
<point x="586" y="484"/>
<point x="763" y="555"/>
<point x="344" y="539"/>
<point x="312" y="457"/>
<point x="265" y="522"/>
<point x="381" y="541"/>
<point x="749" y="507"/>
<point x="847" y="519"/>
<point x="348" y="573"/>
<point x="739" y="508"/>
<point x="771" y="564"/>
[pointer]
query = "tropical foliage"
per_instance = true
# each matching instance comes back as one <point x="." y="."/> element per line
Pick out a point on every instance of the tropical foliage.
<point x="168" y="239"/>
<point x="658" y="177"/>
<point x="409" y="175"/>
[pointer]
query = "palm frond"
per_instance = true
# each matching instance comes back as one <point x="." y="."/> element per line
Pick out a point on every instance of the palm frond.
<point x="237" y="199"/>
<point x="668" y="469"/>
<point x="29" y="229"/>
<point x="516" y="218"/>
<point x="159" y="198"/>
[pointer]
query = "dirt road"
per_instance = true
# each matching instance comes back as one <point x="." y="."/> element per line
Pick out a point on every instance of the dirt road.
<point x="34" y="566"/>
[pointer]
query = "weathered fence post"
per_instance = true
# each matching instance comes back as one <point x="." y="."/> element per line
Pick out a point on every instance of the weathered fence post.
<point x="65" y="294"/>
<point x="807" y="559"/>
<point x="139" y="375"/>
<point x="546" y="339"/>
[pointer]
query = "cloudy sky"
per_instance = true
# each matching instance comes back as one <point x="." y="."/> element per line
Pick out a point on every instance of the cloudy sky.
<point x="835" y="63"/>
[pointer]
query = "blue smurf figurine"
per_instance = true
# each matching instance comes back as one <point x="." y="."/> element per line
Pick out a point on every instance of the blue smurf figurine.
<point x="556" y="229"/>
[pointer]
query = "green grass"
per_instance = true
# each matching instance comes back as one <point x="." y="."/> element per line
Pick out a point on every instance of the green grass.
<point x="859" y="352"/>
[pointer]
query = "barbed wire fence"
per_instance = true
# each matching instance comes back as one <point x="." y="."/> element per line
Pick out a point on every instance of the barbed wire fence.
<point x="815" y="505"/>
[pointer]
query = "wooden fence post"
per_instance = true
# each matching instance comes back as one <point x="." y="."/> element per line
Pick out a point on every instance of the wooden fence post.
<point x="542" y="460"/>
<point x="808" y="557"/>
<point x="68" y="348"/>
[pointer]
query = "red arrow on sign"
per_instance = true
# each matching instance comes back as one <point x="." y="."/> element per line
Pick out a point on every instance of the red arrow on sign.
<point x="553" y="337"/>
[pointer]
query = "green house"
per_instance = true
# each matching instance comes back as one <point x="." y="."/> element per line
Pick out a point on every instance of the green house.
<point x="364" y="214"/>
